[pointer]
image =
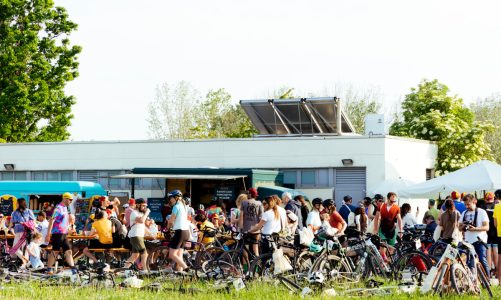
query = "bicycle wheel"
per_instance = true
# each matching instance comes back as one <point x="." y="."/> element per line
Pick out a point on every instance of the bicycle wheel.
<point x="412" y="265"/>
<point x="437" y="250"/>
<point x="438" y="284"/>
<point x="290" y="285"/>
<point x="460" y="279"/>
<point x="333" y="267"/>
<point x="262" y="267"/>
<point x="483" y="279"/>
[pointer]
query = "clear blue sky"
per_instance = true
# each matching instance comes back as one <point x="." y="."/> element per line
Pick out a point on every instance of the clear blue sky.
<point x="253" y="47"/>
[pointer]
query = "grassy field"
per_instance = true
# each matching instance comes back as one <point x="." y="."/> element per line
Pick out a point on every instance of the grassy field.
<point x="255" y="292"/>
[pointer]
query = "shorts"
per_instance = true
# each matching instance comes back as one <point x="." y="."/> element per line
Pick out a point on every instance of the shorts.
<point x="252" y="239"/>
<point x="499" y="244"/>
<point x="96" y="244"/>
<point x="390" y="241"/>
<point x="137" y="244"/>
<point x="492" y="241"/>
<point x="180" y="237"/>
<point x="59" y="241"/>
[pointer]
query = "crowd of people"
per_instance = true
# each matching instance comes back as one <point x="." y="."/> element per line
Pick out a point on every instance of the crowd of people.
<point x="459" y="218"/>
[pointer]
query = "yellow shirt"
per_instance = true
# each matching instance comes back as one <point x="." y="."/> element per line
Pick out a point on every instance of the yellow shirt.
<point x="205" y="225"/>
<point x="104" y="230"/>
<point x="497" y="217"/>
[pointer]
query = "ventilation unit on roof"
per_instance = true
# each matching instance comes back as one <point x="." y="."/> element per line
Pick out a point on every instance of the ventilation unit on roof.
<point x="374" y="124"/>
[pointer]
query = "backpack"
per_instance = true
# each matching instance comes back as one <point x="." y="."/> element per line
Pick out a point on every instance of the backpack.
<point x="351" y="217"/>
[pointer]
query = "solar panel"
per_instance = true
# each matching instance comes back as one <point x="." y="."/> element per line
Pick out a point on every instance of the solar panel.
<point x="305" y="116"/>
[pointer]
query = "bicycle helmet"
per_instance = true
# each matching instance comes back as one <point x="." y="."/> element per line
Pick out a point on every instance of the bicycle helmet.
<point x="175" y="193"/>
<point x="378" y="197"/>
<point x="316" y="201"/>
<point x="316" y="277"/>
<point x="328" y="202"/>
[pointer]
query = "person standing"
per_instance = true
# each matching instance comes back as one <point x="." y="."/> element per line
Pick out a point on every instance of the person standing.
<point x="432" y="211"/>
<point x="136" y="234"/>
<point x="475" y="224"/>
<point x="458" y="204"/>
<point x="388" y="220"/>
<point x="178" y="221"/>
<point x="293" y="206"/>
<point x="313" y="221"/>
<point x="348" y="209"/>
<point x="128" y="211"/>
<point x="57" y="233"/>
<point x="270" y="222"/>
<point x="335" y="219"/>
<point x="497" y="223"/>
<point x="305" y="209"/>
<point x="250" y="215"/>
<point x="19" y="216"/>
<point x="492" y="243"/>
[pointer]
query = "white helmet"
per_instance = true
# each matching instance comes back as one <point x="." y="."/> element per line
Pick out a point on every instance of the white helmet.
<point x="316" y="277"/>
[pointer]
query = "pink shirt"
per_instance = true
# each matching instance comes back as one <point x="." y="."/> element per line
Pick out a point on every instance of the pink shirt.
<point x="128" y="211"/>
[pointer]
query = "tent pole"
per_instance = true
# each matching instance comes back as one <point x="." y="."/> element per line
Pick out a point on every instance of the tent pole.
<point x="243" y="180"/>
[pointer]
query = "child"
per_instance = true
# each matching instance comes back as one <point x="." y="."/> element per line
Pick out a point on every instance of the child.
<point x="34" y="251"/>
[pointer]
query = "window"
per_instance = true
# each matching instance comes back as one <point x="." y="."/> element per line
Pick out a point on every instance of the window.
<point x="37" y="176"/>
<point x="290" y="177"/>
<point x="8" y="176"/>
<point x="20" y="175"/>
<point x="430" y="174"/>
<point x="66" y="176"/>
<point x="323" y="177"/>
<point x="52" y="176"/>
<point x="308" y="177"/>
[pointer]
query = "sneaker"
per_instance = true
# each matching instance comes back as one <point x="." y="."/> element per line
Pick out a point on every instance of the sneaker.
<point x="49" y="271"/>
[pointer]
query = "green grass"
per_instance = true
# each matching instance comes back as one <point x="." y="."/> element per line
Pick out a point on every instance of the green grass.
<point x="255" y="291"/>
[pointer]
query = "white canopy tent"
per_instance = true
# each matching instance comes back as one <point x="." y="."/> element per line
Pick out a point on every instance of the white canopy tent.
<point x="481" y="176"/>
<point x="392" y="185"/>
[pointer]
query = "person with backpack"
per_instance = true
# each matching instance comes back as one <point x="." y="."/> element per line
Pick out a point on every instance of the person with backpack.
<point x="492" y="246"/>
<point x="347" y="211"/>
<point x="388" y="219"/>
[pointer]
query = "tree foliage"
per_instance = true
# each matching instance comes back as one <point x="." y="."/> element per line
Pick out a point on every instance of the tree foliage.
<point x="36" y="62"/>
<point x="180" y="113"/>
<point x="489" y="110"/>
<point x="430" y="113"/>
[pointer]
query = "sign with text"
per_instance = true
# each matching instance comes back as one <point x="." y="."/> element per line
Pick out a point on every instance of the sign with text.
<point x="225" y="193"/>
<point x="155" y="206"/>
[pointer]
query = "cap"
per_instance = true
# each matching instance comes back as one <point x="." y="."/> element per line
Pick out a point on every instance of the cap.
<point x="132" y="201"/>
<point x="67" y="196"/>
<point x="347" y="198"/>
<point x="253" y="192"/>
<point x="92" y="217"/>
<point x="489" y="196"/>
<point x="125" y="205"/>
<point x="175" y="193"/>
<point x="455" y="195"/>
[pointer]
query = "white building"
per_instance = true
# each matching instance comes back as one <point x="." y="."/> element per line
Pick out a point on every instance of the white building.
<point x="311" y="164"/>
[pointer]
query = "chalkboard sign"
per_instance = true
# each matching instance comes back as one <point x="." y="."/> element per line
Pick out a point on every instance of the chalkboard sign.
<point x="7" y="206"/>
<point x="225" y="193"/>
<point x="155" y="206"/>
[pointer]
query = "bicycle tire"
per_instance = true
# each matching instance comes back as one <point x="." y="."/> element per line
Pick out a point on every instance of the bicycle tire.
<point x="438" y="250"/>
<point x="332" y="266"/>
<point x="438" y="283"/>
<point x="408" y="261"/>
<point x="483" y="280"/>
<point x="262" y="266"/>
<point x="290" y="285"/>
<point x="460" y="279"/>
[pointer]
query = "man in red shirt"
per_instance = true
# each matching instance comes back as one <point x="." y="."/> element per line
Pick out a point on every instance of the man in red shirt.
<point x="385" y="219"/>
<point x="335" y="219"/>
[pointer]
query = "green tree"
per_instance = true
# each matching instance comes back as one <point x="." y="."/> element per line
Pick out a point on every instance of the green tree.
<point x="36" y="62"/>
<point x="171" y="114"/>
<point x="429" y="113"/>
<point x="489" y="110"/>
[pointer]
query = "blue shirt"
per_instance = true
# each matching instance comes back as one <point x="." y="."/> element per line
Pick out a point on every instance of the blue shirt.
<point x="19" y="217"/>
<point x="345" y="212"/>
<point x="459" y="206"/>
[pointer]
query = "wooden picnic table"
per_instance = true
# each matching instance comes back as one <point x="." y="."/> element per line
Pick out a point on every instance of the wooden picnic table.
<point x="88" y="237"/>
<point x="8" y="236"/>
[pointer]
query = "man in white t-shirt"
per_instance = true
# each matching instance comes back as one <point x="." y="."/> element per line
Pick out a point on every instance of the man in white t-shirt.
<point x="474" y="222"/>
<point x="136" y="234"/>
<point x="42" y="226"/>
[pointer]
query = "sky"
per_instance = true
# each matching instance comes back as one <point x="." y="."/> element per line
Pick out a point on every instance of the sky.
<point x="252" y="48"/>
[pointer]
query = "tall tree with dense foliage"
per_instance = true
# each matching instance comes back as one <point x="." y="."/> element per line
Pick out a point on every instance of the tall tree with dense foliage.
<point x="36" y="62"/>
<point x="489" y="110"/>
<point x="430" y="113"/>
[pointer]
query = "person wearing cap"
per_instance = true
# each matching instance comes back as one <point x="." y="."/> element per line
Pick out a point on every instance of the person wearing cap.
<point x="292" y="221"/>
<point x="388" y="221"/>
<point x="492" y="243"/>
<point x="178" y="222"/>
<point x="136" y="234"/>
<point x="432" y="211"/>
<point x="346" y="208"/>
<point x="497" y="223"/>
<point x="458" y="204"/>
<point x="128" y="211"/>
<point x="251" y="213"/>
<point x="58" y="231"/>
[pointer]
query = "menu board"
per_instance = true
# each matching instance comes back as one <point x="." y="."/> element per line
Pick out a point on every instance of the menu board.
<point x="155" y="206"/>
<point x="7" y="205"/>
<point x="225" y="193"/>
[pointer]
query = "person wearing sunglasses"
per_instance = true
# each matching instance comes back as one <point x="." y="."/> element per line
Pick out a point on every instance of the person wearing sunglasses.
<point x="270" y="222"/>
<point x="313" y="221"/>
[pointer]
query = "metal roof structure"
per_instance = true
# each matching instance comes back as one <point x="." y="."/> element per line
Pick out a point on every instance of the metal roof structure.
<point x="304" y="116"/>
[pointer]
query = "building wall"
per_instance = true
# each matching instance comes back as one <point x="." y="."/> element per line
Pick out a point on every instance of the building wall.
<point x="383" y="157"/>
